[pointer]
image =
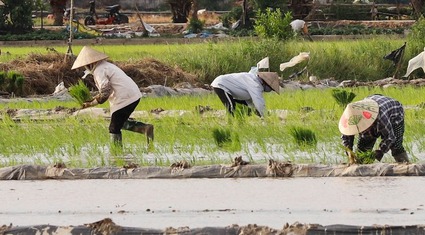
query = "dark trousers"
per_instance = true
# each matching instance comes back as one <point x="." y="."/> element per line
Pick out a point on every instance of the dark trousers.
<point x="228" y="100"/>
<point x="120" y="116"/>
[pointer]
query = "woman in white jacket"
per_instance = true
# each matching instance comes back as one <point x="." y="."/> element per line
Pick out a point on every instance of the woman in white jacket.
<point x="245" y="88"/>
<point x="113" y="85"/>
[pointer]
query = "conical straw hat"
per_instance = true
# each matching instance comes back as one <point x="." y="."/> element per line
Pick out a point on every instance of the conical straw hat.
<point x="358" y="116"/>
<point x="272" y="79"/>
<point x="88" y="56"/>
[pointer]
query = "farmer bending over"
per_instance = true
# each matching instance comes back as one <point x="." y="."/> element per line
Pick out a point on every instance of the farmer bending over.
<point x="373" y="117"/>
<point x="245" y="88"/>
<point x="114" y="85"/>
<point x="300" y="27"/>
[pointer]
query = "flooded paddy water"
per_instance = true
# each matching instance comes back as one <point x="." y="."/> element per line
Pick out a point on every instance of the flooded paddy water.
<point x="160" y="203"/>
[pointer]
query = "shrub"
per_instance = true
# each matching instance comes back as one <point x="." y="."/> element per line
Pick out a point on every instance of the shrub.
<point x="272" y="24"/>
<point x="416" y="37"/>
<point x="196" y="25"/>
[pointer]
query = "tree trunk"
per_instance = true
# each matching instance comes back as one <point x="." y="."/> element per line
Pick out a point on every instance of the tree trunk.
<point x="417" y="6"/>
<point x="195" y="7"/>
<point x="180" y="10"/>
<point x="58" y="8"/>
<point x="245" y="21"/>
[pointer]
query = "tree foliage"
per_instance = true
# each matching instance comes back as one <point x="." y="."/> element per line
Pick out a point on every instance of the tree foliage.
<point x="16" y="16"/>
<point x="262" y="5"/>
<point x="273" y="24"/>
<point x="416" y="37"/>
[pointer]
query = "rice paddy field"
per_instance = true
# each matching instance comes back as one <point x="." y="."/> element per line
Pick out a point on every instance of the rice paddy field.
<point x="82" y="141"/>
<point x="212" y="137"/>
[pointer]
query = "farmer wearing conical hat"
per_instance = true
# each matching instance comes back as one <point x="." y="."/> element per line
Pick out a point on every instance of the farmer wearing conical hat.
<point x="373" y="117"/>
<point x="114" y="85"/>
<point x="245" y="88"/>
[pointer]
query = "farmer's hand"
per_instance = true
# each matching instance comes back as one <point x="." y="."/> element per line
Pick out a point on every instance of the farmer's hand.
<point x="378" y="154"/>
<point x="352" y="159"/>
<point x="90" y="103"/>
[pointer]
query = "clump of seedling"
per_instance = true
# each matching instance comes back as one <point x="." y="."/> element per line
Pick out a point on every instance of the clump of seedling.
<point x="303" y="136"/>
<point x="12" y="82"/>
<point x="80" y="92"/>
<point x="224" y="138"/>
<point x="366" y="157"/>
<point x="343" y="97"/>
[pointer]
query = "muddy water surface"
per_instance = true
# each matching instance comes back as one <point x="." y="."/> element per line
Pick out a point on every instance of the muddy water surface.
<point x="157" y="203"/>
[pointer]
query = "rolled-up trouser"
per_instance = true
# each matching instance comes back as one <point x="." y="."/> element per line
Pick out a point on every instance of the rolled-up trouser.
<point x="367" y="143"/>
<point x="120" y="116"/>
<point x="230" y="102"/>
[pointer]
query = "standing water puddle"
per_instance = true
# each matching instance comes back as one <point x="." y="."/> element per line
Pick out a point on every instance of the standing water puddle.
<point x="160" y="203"/>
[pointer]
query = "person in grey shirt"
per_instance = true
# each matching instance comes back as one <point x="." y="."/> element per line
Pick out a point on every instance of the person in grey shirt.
<point x="245" y="88"/>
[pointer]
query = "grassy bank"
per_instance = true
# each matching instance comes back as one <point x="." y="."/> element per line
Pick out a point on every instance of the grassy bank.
<point x="81" y="141"/>
<point x="354" y="59"/>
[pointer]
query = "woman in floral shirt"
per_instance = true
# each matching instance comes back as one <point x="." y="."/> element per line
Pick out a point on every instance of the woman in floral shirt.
<point x="374" y="117"/>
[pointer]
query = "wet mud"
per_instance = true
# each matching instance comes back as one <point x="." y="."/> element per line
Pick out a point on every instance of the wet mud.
<point x="286" y="205"/>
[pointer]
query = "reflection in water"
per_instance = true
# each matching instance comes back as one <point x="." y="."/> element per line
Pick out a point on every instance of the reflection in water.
<point x="158" y="203"/>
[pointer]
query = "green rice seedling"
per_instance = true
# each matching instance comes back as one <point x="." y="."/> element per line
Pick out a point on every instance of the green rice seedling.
<point x="227" y="139"/>
<point x="80" y="92"/>
<point x="366" y="157"/>
<point x="221" y="136"/>
<point x="303" y="136"/>
<point x="343" y="97"/>
<point x="3" y="76"/>
<point x="16" y="82"/>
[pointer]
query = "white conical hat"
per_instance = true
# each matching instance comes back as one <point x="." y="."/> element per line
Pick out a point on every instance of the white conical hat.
<point x="358" y="116"/>
<point x="88" y="56"/>
<point x="272" y="79"/>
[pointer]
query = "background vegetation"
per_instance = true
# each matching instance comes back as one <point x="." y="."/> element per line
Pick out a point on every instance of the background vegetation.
<point x="360" y="60"/>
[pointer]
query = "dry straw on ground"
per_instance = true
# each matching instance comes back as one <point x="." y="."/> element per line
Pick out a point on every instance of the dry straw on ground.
<point x="43" y="72"/>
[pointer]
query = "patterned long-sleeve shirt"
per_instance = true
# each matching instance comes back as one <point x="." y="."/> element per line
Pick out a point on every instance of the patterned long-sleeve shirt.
<point x="391" y="113"/>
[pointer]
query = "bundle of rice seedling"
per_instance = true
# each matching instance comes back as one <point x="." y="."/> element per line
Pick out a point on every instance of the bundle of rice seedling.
<point x="365" y="157"/>
<point x="221" y="136"/>
<point x="80" y="92"/>
<point x="227" y="139"/>
<point x="303" y="136"/>
<point x="343" y="97"/>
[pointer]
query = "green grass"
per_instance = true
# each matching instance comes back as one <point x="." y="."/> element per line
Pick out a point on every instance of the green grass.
<point x="81" y="141"/>
<point x="360" y="60"/>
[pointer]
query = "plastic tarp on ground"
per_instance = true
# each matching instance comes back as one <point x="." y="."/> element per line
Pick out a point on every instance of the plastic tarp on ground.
<point x="273" y="169"/>
<point x="107" y="226"/>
